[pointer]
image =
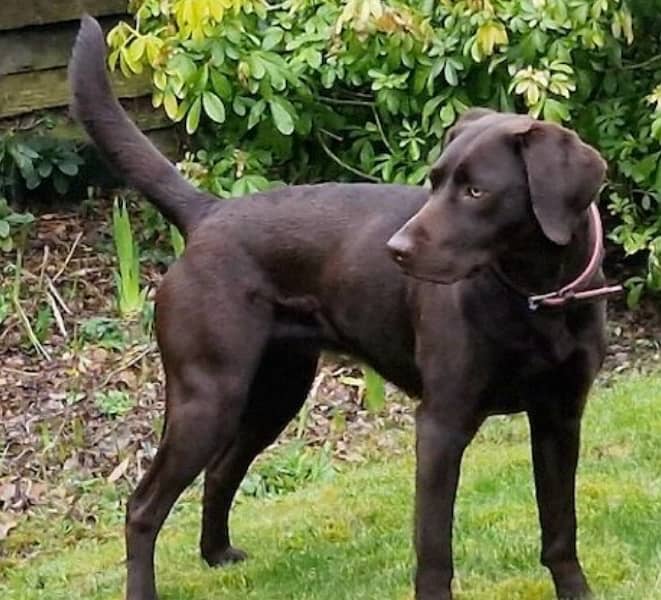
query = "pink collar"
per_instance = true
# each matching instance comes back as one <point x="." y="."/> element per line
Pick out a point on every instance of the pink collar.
<point x="575" y="290"/>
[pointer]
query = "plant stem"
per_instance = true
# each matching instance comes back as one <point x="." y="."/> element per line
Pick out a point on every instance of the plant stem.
<point x="344" y="165"/>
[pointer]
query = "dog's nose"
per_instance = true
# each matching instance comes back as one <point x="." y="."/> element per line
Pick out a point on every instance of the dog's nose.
<point x="400" y="248"/>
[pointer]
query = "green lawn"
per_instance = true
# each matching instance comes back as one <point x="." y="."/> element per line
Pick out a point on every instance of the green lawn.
<point x="351" y="538"/>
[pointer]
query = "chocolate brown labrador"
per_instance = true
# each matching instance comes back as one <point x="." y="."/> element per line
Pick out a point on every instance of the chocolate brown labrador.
<point x="429" y="287"/>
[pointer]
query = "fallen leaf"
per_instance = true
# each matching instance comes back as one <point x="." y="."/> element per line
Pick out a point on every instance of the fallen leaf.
<point x="119" y="470"/>
<point x="6" y="526"/>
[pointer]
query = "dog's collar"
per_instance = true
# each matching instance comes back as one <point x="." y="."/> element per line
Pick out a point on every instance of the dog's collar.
<point x="575" y="290"/>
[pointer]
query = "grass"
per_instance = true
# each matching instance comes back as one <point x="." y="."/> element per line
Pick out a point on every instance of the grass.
<point x="350" y="538"/>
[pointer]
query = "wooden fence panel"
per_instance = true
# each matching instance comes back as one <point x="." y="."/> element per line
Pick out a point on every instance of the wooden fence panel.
<point x="39" y="48"/>
<point x="21" y="13"/>
<point x="36" y="37"/>
<point x="25" y="92"/>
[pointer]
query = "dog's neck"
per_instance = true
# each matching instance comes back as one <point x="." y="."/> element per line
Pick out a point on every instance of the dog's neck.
<point x="535" y="265"/>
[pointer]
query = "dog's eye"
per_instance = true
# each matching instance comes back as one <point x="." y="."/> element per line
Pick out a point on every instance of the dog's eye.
<point x="474" y="192"/>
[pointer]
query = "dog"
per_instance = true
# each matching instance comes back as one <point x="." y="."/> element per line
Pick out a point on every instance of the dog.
<point x="481" y="296"/>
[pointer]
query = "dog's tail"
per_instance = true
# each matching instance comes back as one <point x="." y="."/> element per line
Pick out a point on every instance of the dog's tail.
<point x="121" y="142"/>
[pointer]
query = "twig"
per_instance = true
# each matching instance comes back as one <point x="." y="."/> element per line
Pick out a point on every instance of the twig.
<point x="380" y="128"/>
<point x="28" y="329"/>
<point x="127" y="364"/>
<point x="356" y="94"/>
<point x="343" y="102"/>
<point x="57" y="315"/>
<point x="21" y="372"/>
<point x="19" y="309"/>
<point x="344" y="165"/>
<point x="44" y="263"/>
<point x="642" y="65"/>
<point x="330" y="134"/>
<point x="56" y="294"/>
<point x="69" y="256"/>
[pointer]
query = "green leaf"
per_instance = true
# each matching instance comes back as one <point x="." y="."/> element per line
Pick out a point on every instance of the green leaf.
<point x="418" y="176"/>
<point x="213" y="107"/>
<point x="221" y="85"/>
<point x="375" y="390"/>
<point x="136" y="50"/>
<point x="314" y="58"/>
<point x="177" y="241"/>
<point x="633" y="296"/>
<point x="282" y="119"/>
<point x="45" y="169"/>
<point x="4" y="228"/>
<point x="644" y="168"/>
<point x="450" y="73"/>
<point x="328" y="77"/>
<point x="170" y="104"/>
<point x="276" y="76"/>
<point x="68" y="168"/>
<point x="257" y="68"/>
<point x="239" y="106"/>
<point x="255" y="115"/>
<point x="127" y="63"/>
<point x="272" y="38"/>
<point x="430" y="108"/>
<point x="193" y="118"/>
<point x="60" y="183"/>
<point x="656" y="128"/>
<point x="448" y="115"/>
<point x="555" y="111"/>
<point x="26" y="151"/>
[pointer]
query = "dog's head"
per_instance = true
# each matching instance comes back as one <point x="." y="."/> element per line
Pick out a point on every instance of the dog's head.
<point x="500" y="176"/>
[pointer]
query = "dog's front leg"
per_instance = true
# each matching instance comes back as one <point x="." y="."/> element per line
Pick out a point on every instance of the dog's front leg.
<point x="555" y="430"/>
<point x="442" y="437"/>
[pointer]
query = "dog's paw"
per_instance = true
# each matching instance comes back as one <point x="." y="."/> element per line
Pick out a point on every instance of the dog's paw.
<point x="224" y="557"/>
<point x="575" y="595"/>
<point x="578" y="591"/>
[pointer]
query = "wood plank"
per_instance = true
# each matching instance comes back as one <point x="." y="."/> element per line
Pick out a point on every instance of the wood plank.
<point x="169" y="141"/>
<point x="23" y="50"/>
<point x="24" y="92"/>
<point x="21" y="13"/>
<point x="140" y="111"/>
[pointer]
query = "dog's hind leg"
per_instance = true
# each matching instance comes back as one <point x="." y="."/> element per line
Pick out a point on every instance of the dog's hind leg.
<point x="279" y="390"/>
<point x="208" y="384"/>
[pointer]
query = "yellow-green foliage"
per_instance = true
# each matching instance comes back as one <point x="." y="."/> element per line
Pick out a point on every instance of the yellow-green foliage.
<point x="306" y="89"/>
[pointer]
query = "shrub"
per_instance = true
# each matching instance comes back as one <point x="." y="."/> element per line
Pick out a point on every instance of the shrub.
<point x="28" y="159"/>
<point x="310" y="89"/>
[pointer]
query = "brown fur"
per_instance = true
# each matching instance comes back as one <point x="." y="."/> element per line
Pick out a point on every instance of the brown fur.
<point x="269" y="281"/>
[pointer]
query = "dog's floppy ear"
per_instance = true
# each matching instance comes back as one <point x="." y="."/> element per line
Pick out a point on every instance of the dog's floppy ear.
<point x="564" y="177"/>
<point x="467" y="118"/>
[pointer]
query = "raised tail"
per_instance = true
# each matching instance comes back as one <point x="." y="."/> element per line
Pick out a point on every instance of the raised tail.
<point x="122" y="144"/>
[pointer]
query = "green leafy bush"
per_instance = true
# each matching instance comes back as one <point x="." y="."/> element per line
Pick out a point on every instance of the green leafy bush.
<point x="13" y="225"/>
<point x="309" y="89"/>
<point x="28" y="159"/>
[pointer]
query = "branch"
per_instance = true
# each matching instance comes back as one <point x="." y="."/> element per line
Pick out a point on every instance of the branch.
<point x="340" y="101"/>
<point x="642" y="65"/>
<point x="380" y="128"/>
<point x="344" y="165"/>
